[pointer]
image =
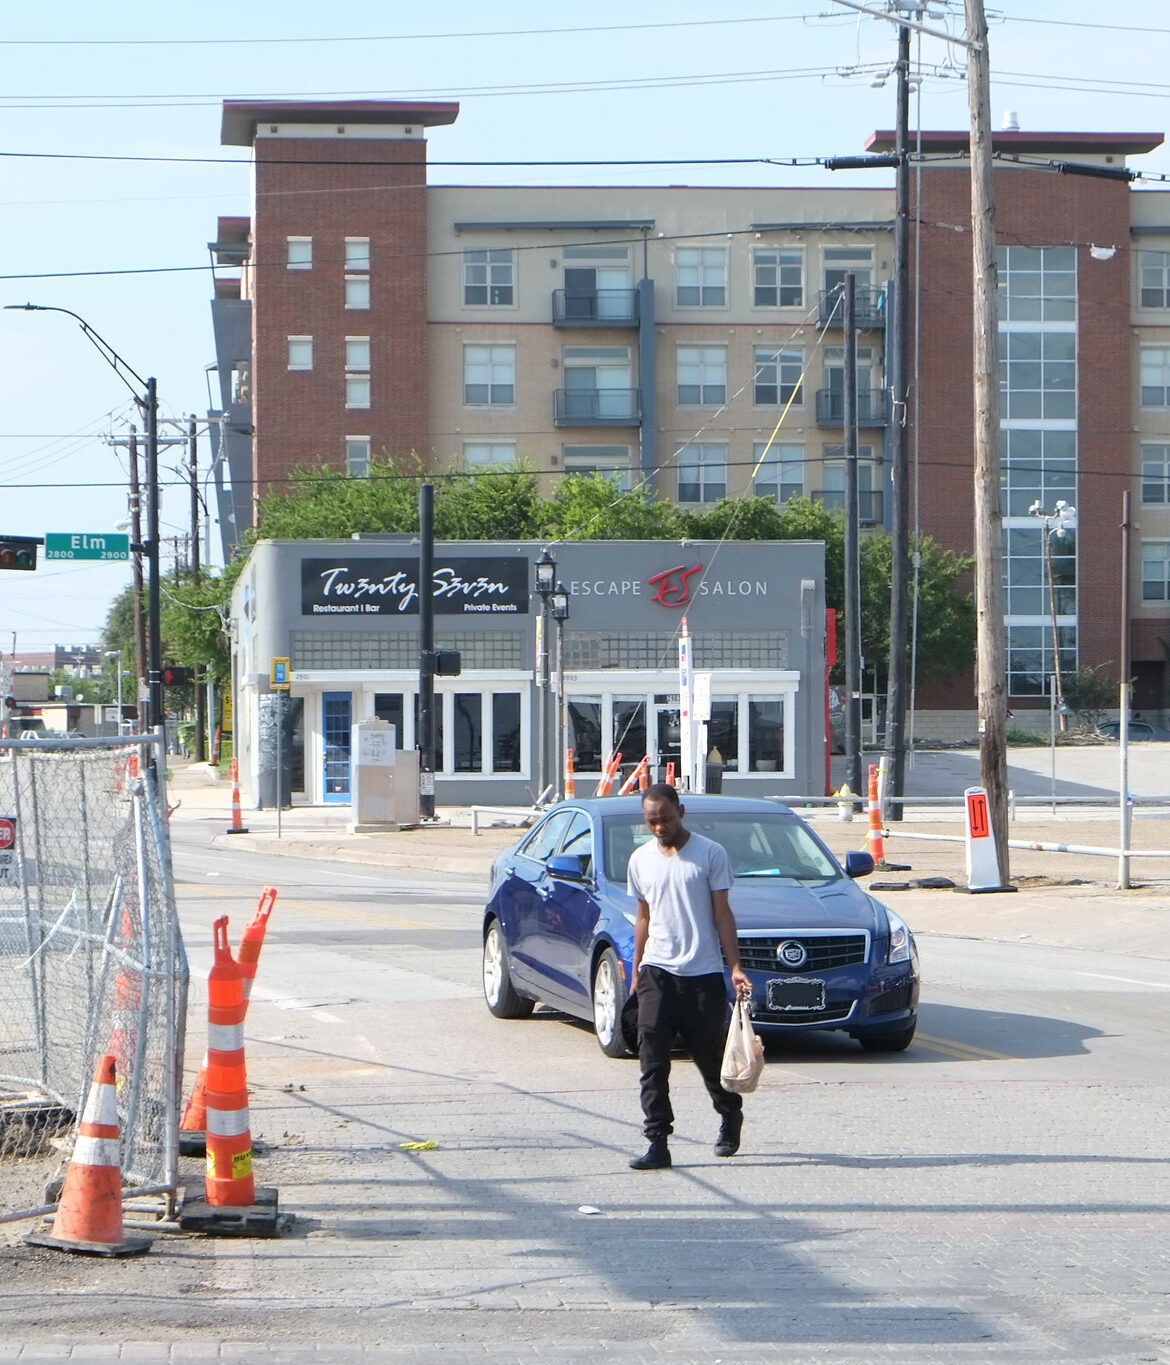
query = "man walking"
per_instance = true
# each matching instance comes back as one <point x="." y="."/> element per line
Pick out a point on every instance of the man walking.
<point x="683" y="932"/>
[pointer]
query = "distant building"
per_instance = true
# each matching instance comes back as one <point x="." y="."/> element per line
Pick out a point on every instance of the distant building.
<point x="692" y="337"/>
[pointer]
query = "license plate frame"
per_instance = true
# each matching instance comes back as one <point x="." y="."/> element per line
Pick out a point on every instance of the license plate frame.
<point x="794" y="995"/>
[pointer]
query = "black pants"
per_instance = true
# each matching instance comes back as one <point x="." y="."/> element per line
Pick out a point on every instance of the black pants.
<point x="695" y="1006"/>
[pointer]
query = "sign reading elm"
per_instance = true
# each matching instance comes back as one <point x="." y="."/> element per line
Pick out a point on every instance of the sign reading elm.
<point x="382" y="587"/>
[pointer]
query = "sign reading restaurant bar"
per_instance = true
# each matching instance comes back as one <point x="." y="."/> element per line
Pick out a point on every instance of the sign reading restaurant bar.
<point x="384" y="587"/>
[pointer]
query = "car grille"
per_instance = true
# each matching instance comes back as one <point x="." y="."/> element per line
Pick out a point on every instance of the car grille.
<point x="831" y="1014"/>
<point x="825" y="952"/>
<point x="889" y="1002"/>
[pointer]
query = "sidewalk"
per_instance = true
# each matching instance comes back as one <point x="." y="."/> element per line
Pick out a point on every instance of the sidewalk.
<point x="1063" y="899"/>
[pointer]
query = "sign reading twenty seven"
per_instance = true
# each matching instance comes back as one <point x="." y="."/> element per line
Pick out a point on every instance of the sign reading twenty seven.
<point x="75" y="545"/>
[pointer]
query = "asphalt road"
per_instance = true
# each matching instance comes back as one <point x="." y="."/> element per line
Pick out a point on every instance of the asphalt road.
<point x="998" y="1193"/>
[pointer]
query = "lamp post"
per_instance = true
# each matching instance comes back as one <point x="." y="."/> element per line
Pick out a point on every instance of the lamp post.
<point x="546" y="581"/>
<point x="1056" y="523"/>
<point x="117" y="654"/>
<point x="148" y="405"/>
<point x="558" y="601"/>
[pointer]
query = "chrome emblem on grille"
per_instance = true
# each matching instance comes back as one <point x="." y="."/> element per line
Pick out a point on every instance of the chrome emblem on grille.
<point x="792" y="954"/>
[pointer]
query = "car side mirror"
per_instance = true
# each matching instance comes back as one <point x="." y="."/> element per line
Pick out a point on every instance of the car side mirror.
<point x="569" y="867"/>
<point x="858" y="864"/>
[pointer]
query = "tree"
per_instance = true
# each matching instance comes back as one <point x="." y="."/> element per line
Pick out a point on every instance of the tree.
<point x="1088" y="695"/>
<point x="489" y="506"/>
<point x="328" y="504"/>
<point x="594" y="507"/>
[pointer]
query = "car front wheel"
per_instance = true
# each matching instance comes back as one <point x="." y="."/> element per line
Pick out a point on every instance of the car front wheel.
<point x="504" y="1001"/>
<point x="897" y="1041"/>
<point x="608" y="998"/>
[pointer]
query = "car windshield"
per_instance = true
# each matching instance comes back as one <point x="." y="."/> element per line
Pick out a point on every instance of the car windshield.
<point x="759" y="844"/>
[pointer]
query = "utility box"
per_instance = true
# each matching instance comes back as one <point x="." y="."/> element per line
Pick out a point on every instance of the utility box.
<point x="384" y="784"/>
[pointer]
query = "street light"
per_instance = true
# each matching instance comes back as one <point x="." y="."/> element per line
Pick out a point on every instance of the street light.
<point x="148" y="404"/>
<point x="558" y="601"/>
<point x="117" y="654"/>
<point x="1057" y="523"/>
<point x="546" y="581"/>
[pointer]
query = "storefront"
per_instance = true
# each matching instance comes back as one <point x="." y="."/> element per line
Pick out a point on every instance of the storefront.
<point x="345" y="614"/>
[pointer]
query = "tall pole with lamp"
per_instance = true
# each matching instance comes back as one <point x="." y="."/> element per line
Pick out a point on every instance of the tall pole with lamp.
<point x="1055" y="523"/>
<point x="546" y="581"/>
<point x="559" y="604"/>
<point x="148" y="405"/>
<point x="117" y="654"/>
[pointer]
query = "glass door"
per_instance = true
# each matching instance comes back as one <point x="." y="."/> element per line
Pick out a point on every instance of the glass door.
<point x="336" y="719"/>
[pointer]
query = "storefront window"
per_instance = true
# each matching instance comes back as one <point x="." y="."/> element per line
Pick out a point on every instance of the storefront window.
<point x="723" y="734"/>
<point x="468" y="728"/>
<point x="506" y="732"/>
<point x="388" y="706"/>
<point x="583" y="717"/>
<point x="765" y="736"/>
<point x="629" y="728"/>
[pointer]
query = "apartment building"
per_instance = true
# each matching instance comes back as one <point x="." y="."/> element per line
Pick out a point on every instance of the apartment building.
<point x="692" y="338"/>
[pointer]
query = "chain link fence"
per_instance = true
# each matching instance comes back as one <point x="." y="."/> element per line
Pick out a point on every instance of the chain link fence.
<point x="91" y="961"/>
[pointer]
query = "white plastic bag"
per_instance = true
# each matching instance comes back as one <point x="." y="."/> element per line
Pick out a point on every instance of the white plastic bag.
<point x="743" y="1057"/>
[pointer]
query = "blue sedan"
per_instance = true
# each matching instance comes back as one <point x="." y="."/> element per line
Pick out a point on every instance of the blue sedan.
<point x="820" y="951"/>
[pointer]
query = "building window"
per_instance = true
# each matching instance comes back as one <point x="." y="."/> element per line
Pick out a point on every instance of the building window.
<point x="505" y="732"/>
<point x="467" y="728"/>
<point x="489" y="376"/>
<point x="1029" y="657"/>
<point x="1156" y="376"/>
<point x="357" y="255"/>
<point x="611" y="462"/>
<point x="597" y="385"/>
<point x="869" y="496"/>
<point x="1155" y="474"/>
<point x="1026" y="574"/>
<point x="1038" y="284"/>
<point x="1038" y="375"/>
<point x="777" y="376"/>
<point x="357" y="372"/>
<point x="765" y="735"/>
<point x="357" y="291"/>
<point x="778" y="278"/>
<point x="1039" y="466"/>
<point x="583" y="721"/>
<point x="702" y="472"/>
<point x="1155" y="279"/>
<point x="779" y="472"/>
<point x="489" y="455"/>
<point x="357" y="456"/>
<point x="701" y="276"/>
<point x="489" y="278"/>
<point x="300" y="253"/>
<point x="839" y="261"/>
<point x="702" y="375"/>
<point x="1156" y="570"/>
<point x="300" y="353"/>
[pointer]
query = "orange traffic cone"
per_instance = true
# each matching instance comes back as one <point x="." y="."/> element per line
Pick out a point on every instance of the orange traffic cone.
<point x="570" y="780"/>
<point x="877" y="847"/>
<point x="252" y="940"/>
<point x="670" y="772"/>
<point x="237" y="825"/>
<point x="610" y="772"/>
<point x="639" y="778"/>
<point x="89" y="1215"/>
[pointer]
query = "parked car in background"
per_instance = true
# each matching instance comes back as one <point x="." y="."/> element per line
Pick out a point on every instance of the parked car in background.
<point x="821" y="952"/>
<point x="1138" y="729"/>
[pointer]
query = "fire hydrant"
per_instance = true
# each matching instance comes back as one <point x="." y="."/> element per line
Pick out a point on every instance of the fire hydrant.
<point x="845" y="799"/>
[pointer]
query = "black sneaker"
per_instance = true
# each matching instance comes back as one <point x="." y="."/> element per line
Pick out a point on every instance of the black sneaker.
<point x="727" y="1143"/>
<point x="655" y="1158"/>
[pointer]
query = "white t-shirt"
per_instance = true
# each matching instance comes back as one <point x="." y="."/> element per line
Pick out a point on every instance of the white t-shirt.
<point x="677" y="888"/>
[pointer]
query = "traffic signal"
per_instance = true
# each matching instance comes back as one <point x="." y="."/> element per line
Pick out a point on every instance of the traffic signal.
<point x="173" y="676"/>
<point x="18" y="552"/>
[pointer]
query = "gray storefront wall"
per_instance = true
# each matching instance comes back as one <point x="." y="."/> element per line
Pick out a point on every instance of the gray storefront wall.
<point x="345" y="613"/>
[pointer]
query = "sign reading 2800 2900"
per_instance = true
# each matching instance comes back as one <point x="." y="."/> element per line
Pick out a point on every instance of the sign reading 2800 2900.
<point x="80" y="545"/>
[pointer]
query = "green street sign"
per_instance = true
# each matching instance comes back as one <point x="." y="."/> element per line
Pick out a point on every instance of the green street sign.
<point x="81" y="545"/>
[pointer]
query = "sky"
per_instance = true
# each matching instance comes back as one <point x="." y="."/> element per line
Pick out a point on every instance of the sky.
<point x="95" y="218"/>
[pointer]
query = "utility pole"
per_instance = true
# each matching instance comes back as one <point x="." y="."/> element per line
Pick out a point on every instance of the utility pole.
<point x="1124" y="702"/>
<point x="197" y="679"/>
<point x="426" y="646"/>
<point x="136" y="535"/>
<point x="990" y="661"/>
<point x="852" y="545"/>
<point x="899" y="660"/>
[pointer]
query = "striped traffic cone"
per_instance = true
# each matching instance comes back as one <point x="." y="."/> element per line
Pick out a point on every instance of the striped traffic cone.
<point x="570" y="780"/>
<point x="89" y="1214"/>
<point x="237" y="825"/>
<point x="670" y="772"/>
<point x="609" y="773"/>
<point x="638" y="778"/>
<point x="252" y="940"/>
<point x="877" y="847"/>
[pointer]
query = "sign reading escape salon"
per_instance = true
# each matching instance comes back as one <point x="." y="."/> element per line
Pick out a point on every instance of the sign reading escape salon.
<point x="383" y="587"/>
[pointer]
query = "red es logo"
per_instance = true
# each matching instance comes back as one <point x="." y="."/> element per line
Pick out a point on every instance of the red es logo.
<point x="672" y="586"/>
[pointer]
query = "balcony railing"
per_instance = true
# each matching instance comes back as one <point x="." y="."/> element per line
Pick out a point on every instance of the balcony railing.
<point x="595" y="307"/>
<point x="869" y="313"/>
<point x="873" y="408"/>
<point x="597" y="407"/>
<point x="870" y="503"/>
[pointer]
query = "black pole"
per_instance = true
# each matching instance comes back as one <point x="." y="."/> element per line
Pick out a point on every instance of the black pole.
<point x="899" y="661"/>
<point x="852" y="547"/>
<point x="197" y="676"/>
<point x="136" y="569"/>
<point x="154" y="611"/>
<point x="426" y="645"/>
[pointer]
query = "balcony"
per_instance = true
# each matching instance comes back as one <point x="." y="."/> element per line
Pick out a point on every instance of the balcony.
<point x="870" y="503"/>
<point x="869" y="312"/>
<point x="597" y="407"/>
<point x="873" y="408"/>
<point x="595" y="307"/>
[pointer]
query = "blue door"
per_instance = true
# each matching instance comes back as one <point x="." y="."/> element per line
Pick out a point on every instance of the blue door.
<point x="336" y="717"/>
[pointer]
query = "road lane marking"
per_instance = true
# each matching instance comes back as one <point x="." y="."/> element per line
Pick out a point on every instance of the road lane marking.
<point x="1128" y="980"/>
<point x="964" y="1052"/>
<point x="327" y="912"/>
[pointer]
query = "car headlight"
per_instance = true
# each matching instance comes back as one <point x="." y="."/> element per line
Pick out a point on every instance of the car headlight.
<point x="900" y="940"/>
